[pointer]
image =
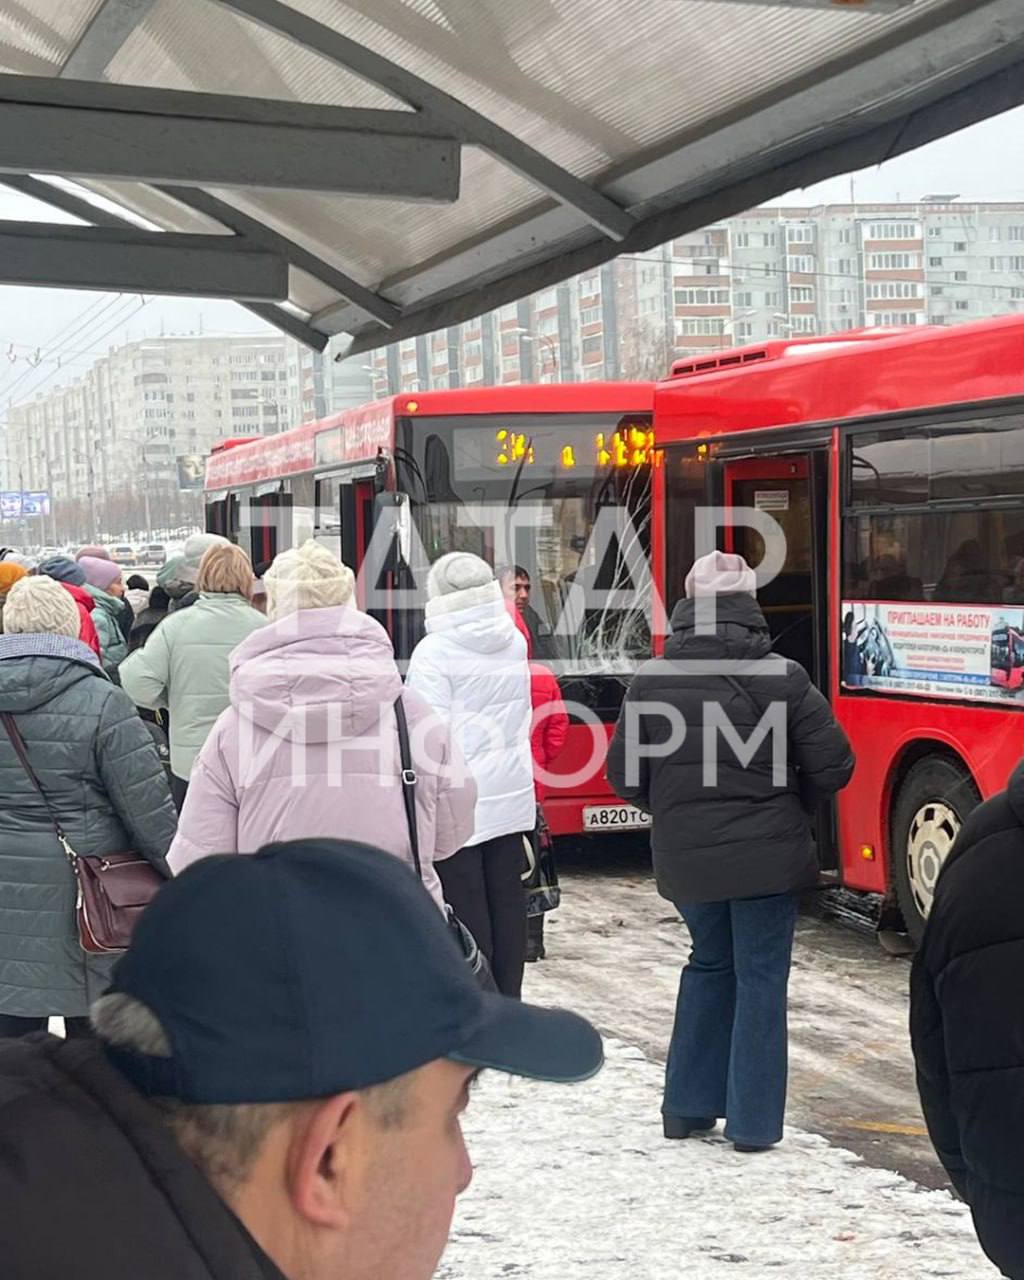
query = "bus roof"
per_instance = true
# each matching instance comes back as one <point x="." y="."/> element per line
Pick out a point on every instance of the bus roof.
<point x="852" y="374"/>
<point x="365" y="430"/>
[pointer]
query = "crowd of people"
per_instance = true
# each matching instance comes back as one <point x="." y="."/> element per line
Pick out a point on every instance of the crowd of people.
<point x="268" y="1082"/>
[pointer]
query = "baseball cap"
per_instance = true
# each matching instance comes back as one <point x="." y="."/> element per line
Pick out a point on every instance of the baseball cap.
<point x="314" y="967"/>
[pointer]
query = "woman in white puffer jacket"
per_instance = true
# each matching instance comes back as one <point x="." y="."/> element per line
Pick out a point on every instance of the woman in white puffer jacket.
<point x="471" y="667"/>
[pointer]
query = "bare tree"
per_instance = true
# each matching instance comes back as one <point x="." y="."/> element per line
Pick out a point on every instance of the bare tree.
<point x="646" y="349"/>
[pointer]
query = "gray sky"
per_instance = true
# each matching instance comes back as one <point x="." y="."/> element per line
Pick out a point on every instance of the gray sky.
<point x="979" y="163"/>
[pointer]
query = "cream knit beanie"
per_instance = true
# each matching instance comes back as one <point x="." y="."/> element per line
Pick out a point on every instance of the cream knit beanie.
<point x="41" y="606"/>
<point x="307" y="577"/>
<point x="457" y="571"/>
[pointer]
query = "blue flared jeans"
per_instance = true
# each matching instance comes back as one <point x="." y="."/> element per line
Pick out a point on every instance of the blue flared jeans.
<point x="728" y="1056"/>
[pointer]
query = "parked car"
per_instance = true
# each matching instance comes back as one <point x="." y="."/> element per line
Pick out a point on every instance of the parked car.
<point x="123" y="553"/>
<point x="154" y="553"/>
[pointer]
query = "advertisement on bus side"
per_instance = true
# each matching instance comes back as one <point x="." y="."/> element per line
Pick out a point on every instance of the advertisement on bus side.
<point x="934" y="650"/>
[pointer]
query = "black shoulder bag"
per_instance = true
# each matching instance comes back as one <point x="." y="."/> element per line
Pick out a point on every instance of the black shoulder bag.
<point x="461" y="936"/>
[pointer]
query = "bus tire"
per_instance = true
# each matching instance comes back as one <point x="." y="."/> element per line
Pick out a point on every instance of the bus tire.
<point x="931" y="806"/>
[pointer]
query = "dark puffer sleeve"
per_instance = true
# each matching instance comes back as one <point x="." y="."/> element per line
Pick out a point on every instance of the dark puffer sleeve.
<point x="822" y="749"/>
<point x="135" y="779"/>
<point x="628" y="770"/>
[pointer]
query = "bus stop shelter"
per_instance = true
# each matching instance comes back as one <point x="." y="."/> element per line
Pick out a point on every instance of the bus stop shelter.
<point x="383" y="168"/>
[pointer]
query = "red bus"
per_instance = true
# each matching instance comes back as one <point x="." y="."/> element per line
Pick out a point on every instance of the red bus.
<point x="894" y="463"/>
<point x="533" y="476"/>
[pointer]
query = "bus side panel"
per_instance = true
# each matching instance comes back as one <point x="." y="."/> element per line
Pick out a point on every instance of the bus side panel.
<point x="881" y="730"/>
<point x="582" y="760"/>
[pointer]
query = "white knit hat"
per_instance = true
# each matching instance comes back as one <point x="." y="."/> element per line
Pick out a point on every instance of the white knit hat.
<point x="457" y="571"/>
<point x="39" y="605"/>
<point x="307" y="577"/>
<point x="720" y="573"/>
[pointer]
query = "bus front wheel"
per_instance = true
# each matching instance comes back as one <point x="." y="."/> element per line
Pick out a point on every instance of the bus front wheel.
<point x="931" y="806"/>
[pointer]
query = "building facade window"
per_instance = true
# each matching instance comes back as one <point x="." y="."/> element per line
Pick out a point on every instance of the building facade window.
<point x="702" y="297"/>
<point x="894" y="289"/>
<point x="898" y="261"/>
<point x="800" y="264"/>
<point x="894" y="231"/>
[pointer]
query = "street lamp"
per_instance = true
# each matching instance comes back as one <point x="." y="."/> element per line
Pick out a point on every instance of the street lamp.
<point x="529" y="335"/>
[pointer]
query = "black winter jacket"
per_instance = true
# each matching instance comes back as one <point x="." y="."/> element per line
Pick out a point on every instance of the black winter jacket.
<point x="722" y="829"/>
<point x="967" y="1022"/>
<point x="93" y="1184"/>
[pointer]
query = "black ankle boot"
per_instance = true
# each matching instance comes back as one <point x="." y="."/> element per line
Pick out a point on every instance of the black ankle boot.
<point x="684" y="1126"/>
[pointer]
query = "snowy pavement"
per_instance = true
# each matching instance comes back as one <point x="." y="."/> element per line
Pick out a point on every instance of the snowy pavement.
<point x="577" y="1183"/>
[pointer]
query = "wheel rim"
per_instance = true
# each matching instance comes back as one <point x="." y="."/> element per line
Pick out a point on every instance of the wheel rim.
<point x="932" y="831"/>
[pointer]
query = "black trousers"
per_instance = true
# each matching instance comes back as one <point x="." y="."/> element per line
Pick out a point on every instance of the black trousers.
<point x="11" y="1026"/>
<point x="482" y="882"/>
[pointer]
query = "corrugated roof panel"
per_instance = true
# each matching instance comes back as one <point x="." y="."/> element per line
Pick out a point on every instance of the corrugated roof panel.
<point x="625" y="121"/>
<point x="36" y="38"/>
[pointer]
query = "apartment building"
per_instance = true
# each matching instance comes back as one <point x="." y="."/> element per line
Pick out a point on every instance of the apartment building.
<point x="767" y="273"/>
<point x="125" y="423"/>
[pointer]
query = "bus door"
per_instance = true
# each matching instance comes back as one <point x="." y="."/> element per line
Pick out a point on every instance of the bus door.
<point x="793" y="489"/>
<point x="355" y="507"/>
<point x="270" y="522"/>
<point x="794" y="600"/>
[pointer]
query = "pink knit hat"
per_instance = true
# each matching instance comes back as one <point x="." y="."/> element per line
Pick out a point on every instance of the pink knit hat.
<point x="100" y="574"/>
<point x="96" y="553"/>
<point x="720" y="574"/>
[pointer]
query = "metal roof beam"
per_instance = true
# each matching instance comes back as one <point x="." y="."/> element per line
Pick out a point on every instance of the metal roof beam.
<point x="88" y="129"/>
<point x="597" y="209"/>
<point x="58" y="198"/>
<point x="370" y="303"/>
<point x="65" y="257"/>
<point x="110" y="27"/>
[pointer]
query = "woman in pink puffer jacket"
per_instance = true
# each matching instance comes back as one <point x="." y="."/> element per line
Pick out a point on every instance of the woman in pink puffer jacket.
<point x="309" y="745"/>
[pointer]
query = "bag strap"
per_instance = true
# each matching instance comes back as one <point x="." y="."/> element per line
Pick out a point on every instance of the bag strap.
<point x="408" y="782"/>
<point x="21" y="751"/>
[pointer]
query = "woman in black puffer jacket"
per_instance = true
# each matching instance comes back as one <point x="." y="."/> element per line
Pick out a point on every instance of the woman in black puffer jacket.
<point x="731" y="839"/>
<point x="967" y="1022"/>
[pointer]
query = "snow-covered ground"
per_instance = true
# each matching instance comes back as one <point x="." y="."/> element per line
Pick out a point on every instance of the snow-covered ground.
<point x="577" y="1183"/>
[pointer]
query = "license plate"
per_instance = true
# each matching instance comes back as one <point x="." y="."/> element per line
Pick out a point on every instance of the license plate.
<point x="614" y="817"/>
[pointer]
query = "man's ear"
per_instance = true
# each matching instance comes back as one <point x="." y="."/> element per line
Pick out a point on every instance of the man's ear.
<point x="321" y="1162"/>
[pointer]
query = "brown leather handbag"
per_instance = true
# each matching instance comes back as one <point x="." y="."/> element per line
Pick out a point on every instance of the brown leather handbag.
<point x="113" y="889"/>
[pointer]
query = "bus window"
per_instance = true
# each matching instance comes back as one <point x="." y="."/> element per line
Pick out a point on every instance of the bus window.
<point x="566" y="497"/>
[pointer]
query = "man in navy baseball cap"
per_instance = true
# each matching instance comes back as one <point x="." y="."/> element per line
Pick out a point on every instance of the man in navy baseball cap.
<point x="283" y="1058"/>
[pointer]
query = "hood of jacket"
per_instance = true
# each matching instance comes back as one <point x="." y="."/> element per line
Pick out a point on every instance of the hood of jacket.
<point x="30" y="681"/>
<point x="483" y="627"/>
<point x="105" y="601"/>
<point x="741" y="632"/>
<point x="319" y="675"/>
<point x="1015" y="792"/>
<point x="81" y="595"/>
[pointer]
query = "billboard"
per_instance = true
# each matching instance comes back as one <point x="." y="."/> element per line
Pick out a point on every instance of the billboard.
<point x="935" y="650"/>
<point x="17" y="504"/>
<point x="191" y="469"/>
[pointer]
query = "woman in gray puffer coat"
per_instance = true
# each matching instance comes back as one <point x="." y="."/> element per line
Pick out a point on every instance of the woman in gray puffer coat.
<point x="101" y="774"/>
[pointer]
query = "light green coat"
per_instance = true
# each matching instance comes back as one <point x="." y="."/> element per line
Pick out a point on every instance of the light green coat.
<point x="184" y="667"/>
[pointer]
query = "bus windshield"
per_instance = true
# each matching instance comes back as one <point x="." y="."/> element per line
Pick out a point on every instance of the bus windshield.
<point x="559" y="504"/>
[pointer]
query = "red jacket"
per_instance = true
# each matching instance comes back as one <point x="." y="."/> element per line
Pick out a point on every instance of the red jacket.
<point x="550" y="720"/>
<point x="86" y="626"/>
